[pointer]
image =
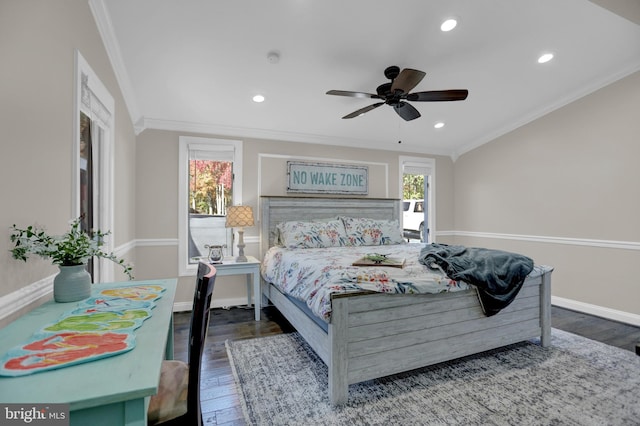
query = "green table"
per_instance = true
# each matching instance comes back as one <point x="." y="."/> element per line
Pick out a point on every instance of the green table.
<point x="110" y="391"/>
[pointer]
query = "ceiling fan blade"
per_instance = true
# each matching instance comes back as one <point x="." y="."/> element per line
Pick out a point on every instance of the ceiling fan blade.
<point x="352" y="94"/>
<point x="406" y="111"/>
<point x="363" y="110"/>
<point x="407" y="80"/>
<point x="438" y="96"/>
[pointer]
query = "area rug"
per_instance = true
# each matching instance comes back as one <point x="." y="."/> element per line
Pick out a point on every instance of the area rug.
<point x="576" y="381"/>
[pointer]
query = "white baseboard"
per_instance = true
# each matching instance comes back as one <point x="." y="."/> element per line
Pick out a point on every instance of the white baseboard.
<point x="600" y="311"/>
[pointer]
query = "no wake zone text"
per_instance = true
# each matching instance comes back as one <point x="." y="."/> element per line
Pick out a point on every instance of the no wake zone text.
<point x="328" y="178"/>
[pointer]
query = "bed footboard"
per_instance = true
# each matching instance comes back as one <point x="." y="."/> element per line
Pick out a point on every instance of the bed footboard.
<point x="373" y="336"/>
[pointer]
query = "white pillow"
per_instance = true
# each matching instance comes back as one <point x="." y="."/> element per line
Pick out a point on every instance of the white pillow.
<point x="372" y="232"/>
<point x="312" y="234"/>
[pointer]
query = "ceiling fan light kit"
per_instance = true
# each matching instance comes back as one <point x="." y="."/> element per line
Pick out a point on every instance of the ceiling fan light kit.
<point x="396" y="92"/>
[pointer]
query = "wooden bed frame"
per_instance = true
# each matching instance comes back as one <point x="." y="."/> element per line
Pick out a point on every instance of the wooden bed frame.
<point x="376" y="335"/>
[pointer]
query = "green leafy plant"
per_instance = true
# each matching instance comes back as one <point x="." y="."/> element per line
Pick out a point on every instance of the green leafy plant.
<point x="377" y="258"/>
<point x="75" y="247"/>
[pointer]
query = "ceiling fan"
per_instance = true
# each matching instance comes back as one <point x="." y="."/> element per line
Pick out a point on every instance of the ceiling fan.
<point x="397" y="91"/>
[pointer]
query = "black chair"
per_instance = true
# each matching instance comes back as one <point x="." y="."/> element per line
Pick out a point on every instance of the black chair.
<point x="178" y="399"/>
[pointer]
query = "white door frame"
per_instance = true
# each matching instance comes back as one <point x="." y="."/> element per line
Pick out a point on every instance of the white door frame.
<point x="92" y="98"/>
<point x="426" y="167"/>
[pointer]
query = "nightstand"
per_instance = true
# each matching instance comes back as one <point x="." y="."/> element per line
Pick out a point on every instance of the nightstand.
<point x="250" y="268"/>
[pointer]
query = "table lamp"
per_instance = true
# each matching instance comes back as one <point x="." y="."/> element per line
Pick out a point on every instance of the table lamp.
<point x="239" y="217"/>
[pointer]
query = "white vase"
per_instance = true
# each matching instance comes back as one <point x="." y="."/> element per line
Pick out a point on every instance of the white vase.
<point x="72" y="283"/>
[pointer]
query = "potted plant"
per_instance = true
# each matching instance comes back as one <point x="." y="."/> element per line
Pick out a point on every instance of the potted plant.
<point x="70" y="251"/>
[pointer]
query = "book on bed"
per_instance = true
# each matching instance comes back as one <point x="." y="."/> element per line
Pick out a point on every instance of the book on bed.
<point x="375" y="259"/>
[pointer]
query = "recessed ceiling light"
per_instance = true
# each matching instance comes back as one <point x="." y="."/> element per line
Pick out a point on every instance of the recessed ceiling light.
<point x="439" y="125"/>
<point x="448" y="25"/>
<point x="258" y="98"/>
<point x="545" y="58"/>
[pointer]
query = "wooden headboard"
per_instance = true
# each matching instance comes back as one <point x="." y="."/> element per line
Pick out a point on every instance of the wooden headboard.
<point x="274" y="210"/>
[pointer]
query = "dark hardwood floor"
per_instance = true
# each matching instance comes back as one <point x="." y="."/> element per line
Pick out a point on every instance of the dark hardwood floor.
<point x="220" y="402"/>
<point x="219" y="399"/>
<point x="612" y="333"/>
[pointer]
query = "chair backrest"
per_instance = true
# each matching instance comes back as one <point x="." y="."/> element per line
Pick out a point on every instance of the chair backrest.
<point x="197" y="335"/>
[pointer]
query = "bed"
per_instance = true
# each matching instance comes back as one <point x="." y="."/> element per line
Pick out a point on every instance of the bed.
<point x="372" y="334"/>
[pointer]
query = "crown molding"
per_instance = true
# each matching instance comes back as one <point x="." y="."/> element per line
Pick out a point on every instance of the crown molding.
<point x="278" y="135"/>
<point x="105" y="29"/>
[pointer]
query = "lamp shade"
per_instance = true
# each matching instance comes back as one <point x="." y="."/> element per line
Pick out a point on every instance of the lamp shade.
<point x="239" y="217"/>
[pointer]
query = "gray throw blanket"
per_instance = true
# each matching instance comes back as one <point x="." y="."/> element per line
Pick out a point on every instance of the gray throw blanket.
<point x="498" y="275"/>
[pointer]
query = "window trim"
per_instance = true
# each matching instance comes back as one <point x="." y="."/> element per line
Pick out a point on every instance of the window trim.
<point x="186" y="143"/>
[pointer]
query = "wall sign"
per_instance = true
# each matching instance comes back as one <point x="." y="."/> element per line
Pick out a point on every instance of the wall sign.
<point x="327" y="178"/>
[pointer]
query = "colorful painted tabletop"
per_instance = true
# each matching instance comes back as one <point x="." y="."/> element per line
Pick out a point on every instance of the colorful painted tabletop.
<point x="98" y="327"/>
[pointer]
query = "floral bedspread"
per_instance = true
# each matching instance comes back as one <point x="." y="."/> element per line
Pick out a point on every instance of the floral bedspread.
<point x="313" y="274"/>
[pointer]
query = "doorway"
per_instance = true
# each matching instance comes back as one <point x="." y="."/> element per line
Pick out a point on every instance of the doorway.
<point x="417" y="176"/>
<point x="93" y="161"/>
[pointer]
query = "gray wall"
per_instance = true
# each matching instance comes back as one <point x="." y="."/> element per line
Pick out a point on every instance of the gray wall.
<point x="37" y="43"/>
<point x="564" y="189"/>
<point x="264" y="173"/>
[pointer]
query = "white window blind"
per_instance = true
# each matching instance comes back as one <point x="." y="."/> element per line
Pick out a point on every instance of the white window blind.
<point x="211" y="153"/>
<point x="416" y="169"/>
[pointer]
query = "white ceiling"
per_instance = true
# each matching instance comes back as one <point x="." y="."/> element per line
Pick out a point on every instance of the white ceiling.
<point x="194" y="65"/>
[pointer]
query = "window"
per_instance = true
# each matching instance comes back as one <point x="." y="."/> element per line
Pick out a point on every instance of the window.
<point x="210" y="181"/>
